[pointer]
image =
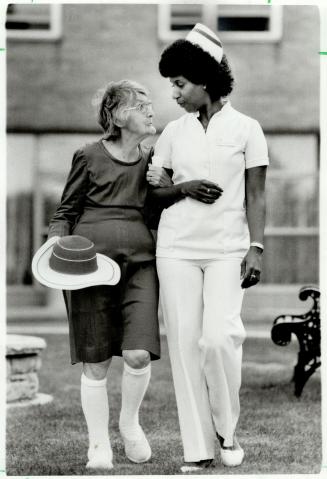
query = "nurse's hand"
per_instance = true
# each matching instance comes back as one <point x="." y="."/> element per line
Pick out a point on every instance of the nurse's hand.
<point x="251" y="267"/>
<point x="158" y="176"/>
<point x="202" y="190"/>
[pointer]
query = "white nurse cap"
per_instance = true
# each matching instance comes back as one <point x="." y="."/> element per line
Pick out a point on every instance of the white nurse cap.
<point x="206" y="39"/>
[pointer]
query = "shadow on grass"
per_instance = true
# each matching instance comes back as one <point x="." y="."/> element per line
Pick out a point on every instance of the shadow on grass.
<point x="280" y="433"/>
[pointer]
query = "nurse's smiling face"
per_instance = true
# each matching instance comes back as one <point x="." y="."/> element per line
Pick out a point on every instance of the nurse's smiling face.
<point x="188" y="95"/>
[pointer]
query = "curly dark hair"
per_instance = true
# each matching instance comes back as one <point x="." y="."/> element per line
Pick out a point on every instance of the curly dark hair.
<point x="197" y="66"/>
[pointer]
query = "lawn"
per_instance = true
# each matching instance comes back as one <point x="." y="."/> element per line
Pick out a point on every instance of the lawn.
<point x="280" y="433"/>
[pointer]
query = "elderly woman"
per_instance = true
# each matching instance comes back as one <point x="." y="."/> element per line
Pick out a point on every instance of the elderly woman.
<point x="103" y="201"/>
<point x="210" y="242"/>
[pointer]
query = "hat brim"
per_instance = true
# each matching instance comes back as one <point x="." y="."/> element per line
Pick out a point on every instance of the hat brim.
<point x="108" y="272"/>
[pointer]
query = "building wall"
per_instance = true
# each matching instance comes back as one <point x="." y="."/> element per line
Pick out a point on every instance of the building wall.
<point x="50" y="84"/>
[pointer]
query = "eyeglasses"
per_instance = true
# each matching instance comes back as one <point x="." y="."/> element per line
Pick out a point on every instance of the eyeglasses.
<point x="144" y="108"/>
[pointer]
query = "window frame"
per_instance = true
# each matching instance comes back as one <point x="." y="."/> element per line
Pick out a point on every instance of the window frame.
<point x="209" y="15"/>
<point x="54" y="32"/>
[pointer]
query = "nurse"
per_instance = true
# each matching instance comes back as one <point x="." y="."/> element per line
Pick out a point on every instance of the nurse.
<point x="210" y="242"/>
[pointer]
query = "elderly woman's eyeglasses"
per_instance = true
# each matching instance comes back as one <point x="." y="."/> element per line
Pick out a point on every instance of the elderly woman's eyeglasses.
<point x="144" y="108"/>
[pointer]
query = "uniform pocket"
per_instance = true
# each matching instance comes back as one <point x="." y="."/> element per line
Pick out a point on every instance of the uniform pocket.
<point x="228" y="148"/>
<point x="228" y="143"/>
<point x="230" y="140"/>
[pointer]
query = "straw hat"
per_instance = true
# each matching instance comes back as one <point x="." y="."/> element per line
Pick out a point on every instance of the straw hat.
<point x="71" y="262"/>
<point x="206" y="39"/>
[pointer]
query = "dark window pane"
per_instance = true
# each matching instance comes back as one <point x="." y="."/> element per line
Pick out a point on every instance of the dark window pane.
<point x="28" y="17"/>
<point x="27" y="26"/>
<point x="10" y="9"/>
<point x="183" y="27"/>
<point x="243" y="24"/>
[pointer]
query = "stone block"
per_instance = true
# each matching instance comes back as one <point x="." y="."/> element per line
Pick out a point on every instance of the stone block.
<point x="24" y="364"/>
<point x="18" y="345"/>
<point x="22" y="386"/>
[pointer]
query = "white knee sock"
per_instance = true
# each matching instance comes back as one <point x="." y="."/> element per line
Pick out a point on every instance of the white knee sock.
<point x="95" y="406"/>
<point x="134" y="385"/>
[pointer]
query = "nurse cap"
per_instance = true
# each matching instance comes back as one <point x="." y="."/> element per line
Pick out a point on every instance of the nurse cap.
<point x="206" y="39"/>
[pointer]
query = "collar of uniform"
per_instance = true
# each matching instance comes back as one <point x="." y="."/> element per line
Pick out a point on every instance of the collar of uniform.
<point x="224" y="109"/>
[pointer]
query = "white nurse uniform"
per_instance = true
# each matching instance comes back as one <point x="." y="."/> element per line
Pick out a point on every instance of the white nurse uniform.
<point x="199" y="250"/>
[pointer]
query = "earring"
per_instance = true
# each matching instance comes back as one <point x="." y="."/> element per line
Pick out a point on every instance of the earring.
<point x="204" y="87"/>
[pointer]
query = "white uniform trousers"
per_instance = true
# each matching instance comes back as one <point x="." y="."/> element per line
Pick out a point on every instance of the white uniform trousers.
<point x="201" y="302"/>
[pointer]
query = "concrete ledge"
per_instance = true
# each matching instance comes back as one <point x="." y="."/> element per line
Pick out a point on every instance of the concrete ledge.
<point x="24" y="345"/>
<point x="23" y="362"/>
<point x="39" y="400"/>
<point x="276" y="297"/>
<point x="262" y="304"/>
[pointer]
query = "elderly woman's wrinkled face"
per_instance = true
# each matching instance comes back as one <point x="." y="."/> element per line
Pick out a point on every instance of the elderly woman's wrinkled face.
<point x="188" y="95"/>
<point x="139" y="117"/>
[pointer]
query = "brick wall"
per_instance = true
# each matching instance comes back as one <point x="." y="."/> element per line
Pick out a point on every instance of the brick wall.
<point x="50" y="84"/>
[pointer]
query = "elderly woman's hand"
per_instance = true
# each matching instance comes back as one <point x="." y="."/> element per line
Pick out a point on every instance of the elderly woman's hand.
<point x="158" y="176"/>
<point x="202" y="190"/>
<point x="251" y="267"/>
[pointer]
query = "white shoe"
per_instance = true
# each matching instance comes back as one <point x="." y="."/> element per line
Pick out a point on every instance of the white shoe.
<point x="99" y="458"/>
<point x="232" y="457"/>
<point x="137" y="450"/>
<point x="190" y="468"/>
<point x="196" y="466"/>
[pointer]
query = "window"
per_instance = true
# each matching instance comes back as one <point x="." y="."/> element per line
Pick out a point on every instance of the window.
<point x="183" y="17"/>
<point x="231" y="22"/>
<point x="33" y="22"/>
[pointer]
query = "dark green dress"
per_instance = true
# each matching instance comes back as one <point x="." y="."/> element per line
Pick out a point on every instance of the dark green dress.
<point x="103" y="200"/>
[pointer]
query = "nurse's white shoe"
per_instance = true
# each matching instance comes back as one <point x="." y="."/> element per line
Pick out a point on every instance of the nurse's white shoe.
<point x="137" y="450"/>
<point x="99" y="458"/>
<point x="232" y="457"/>
<point x="196" y="466"/>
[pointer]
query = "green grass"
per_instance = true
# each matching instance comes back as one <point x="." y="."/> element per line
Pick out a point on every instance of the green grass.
<point x="280" y="433"/>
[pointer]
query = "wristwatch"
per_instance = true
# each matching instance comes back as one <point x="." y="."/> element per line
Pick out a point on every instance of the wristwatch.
<point x="258" y="245"/>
